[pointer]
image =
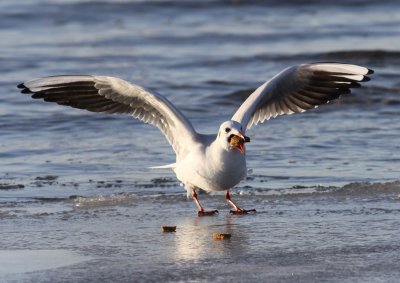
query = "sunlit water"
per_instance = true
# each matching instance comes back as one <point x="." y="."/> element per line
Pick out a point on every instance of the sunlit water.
<point x="75" y="185"/>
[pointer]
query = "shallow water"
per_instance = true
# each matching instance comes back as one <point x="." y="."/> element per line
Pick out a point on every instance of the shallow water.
<point x="75" y="184"/>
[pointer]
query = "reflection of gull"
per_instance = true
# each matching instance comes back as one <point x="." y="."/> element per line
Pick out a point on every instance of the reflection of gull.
<point x="185" y="248"/>
<point x="208" y="162"/>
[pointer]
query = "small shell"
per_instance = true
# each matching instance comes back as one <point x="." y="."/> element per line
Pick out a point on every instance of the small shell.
<point x="221" y="236"/>
<point x="168" y="229"/>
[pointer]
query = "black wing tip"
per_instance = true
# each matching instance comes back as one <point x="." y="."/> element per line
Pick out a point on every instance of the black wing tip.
<point x="355" y="85"/>
<point x="21" y="85"/>
<point x="365" y="79"/>
<point x="24" y="89"/>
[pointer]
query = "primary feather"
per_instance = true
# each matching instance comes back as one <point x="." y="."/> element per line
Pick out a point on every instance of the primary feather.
<point x="299" y="88"/>
<point x="112" y="95"/>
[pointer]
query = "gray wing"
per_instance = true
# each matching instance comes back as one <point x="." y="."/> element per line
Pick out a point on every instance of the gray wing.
<point x="299" y="88"/>
<point x="112" y="95"/>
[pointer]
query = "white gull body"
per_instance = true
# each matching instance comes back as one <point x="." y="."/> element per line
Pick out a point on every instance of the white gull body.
<point x="210" y="166"/>
<point x="207" y="162"/>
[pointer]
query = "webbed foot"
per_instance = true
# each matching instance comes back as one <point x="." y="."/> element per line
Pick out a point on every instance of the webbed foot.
<point x="242" y="211"/>
<point x="207" y="213"/>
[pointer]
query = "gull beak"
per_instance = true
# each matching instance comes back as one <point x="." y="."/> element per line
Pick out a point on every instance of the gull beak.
<point x="237" y="140"/>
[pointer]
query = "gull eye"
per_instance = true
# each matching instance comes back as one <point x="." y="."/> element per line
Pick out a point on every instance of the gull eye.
<point x="227" y="130"/>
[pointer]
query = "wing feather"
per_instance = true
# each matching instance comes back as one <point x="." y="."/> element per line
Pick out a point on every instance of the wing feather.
<point x="115" y="96"/>
<point x="300" y="88"/>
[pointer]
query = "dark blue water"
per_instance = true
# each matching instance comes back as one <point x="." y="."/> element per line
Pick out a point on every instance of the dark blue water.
<point x="75" y="185"/>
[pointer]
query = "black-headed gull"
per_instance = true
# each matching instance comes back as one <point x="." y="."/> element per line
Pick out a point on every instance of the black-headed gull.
<point x="207" y="162"/>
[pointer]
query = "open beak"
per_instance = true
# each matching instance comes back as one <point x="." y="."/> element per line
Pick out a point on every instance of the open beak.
<point x="238" y="140"/>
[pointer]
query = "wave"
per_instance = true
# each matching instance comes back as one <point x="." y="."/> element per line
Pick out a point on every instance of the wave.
<point x="110" y="6"/>
<point x="101" y="200"/>
<point x="348" y="190"/>
<point x="360" y="56"/>
<point x="368" y="188"/>
<point x="169" y="189"/>
<point x="356" y="189"/>
<point x="10" y="186"/>
<point x="376" y="56"/>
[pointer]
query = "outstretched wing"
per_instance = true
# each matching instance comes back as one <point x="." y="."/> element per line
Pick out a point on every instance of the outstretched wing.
<point x="299" y="88"/>
<point x="112" y="95"/>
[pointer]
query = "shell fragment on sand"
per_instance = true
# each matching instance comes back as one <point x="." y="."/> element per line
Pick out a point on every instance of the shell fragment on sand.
<point x="221" y="236"/>
<point x="168" y="229"/>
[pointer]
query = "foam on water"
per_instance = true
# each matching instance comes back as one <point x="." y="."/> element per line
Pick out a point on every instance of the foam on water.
<point x="99" y="201"/>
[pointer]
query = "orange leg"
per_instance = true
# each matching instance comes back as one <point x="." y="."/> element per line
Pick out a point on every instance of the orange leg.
<point x="201" y="211"/>
<point x="237" y="210"/>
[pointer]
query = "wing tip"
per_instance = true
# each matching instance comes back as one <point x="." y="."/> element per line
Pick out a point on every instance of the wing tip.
<point x="365" y="79"/>
<point x="23" y="88"/>
<point x="355" y="85"/>
<point x="26" y="91"/>
<point x="21" y="85"/>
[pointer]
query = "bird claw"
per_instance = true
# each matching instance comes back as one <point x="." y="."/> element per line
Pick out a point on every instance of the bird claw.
<point x="242" y="211"/>
<point x="207" y="213"/>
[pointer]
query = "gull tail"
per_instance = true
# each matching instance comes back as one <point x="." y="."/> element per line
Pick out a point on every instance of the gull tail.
<point x="172" y="165"/>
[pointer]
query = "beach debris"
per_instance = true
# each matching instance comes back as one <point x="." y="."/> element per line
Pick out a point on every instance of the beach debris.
<point x="168" y="229"/>
<point x="221" y="236"/>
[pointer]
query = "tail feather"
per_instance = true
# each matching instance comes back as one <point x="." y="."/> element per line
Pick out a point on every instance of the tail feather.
<point x="168" y="166"/>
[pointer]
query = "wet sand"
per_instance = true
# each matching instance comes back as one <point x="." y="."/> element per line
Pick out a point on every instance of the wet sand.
<point x="347" y="234"/>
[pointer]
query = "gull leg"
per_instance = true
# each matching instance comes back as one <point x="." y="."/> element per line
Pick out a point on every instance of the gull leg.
<point x="237" y="210"/>
<point x="201" y="211"/>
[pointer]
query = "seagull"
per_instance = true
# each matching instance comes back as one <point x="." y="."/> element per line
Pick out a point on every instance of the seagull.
<point x="214" y="162"/>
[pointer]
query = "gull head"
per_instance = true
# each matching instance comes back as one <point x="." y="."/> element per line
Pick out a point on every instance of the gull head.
<point x="231" y="137"/>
